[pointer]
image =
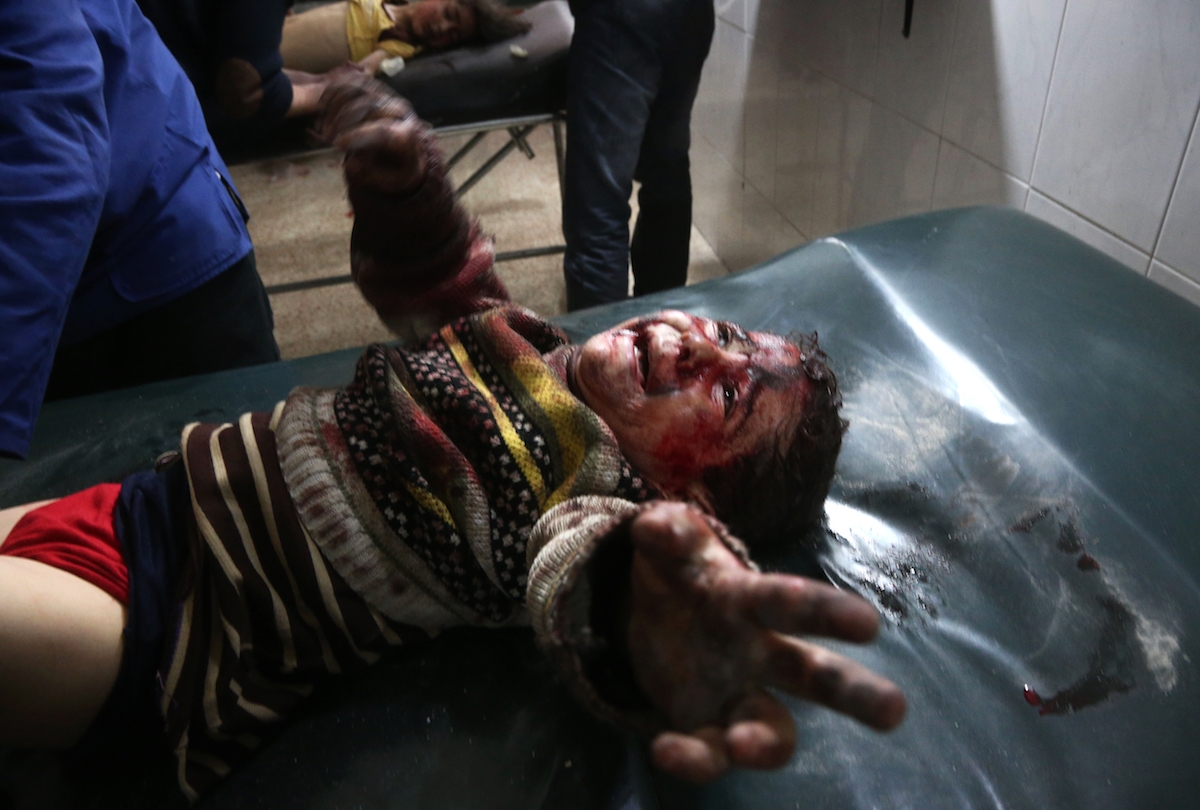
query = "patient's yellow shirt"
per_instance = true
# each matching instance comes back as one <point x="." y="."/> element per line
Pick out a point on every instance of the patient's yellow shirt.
<point x="365" y="21"/>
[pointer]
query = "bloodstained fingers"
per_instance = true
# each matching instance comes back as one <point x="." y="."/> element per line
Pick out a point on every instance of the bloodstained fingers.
<point x="813" y="673"/>
<point x="339" y="95"/>
<point x="348" y="109"/>
<point x="385" y="155"/>
<point x="344" y="118"/>
<point x="669" y="535"/>
<point x="761" y="732"/>
<point x="801" y="606"/>
<point x="346" y="85"/>
<point x="394" y="107"/>
<point x="399" y="141"/>
<point x="696" y="757"/>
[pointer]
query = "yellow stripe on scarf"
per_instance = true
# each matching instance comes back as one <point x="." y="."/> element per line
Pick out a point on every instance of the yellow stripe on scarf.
<point x="431" y="502"/>
<point x="515" y="446"/>
<point x="563" y="411"/>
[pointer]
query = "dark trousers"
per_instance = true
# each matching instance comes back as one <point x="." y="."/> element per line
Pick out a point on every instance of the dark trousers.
<point x="634" y="71"/>
<point x="226" y="322"/>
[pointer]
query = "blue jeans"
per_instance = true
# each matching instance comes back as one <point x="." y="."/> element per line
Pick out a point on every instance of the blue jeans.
<point x="634" y="71"/>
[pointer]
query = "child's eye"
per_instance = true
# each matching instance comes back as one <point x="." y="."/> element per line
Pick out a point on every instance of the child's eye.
<point x="724" y="335"/>
<point x="730" y="394"/>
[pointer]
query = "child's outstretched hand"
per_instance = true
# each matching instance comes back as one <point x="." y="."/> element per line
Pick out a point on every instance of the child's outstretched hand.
<point x="386" y="145"/>
<point x="352" y="99"/>
<point x="707" y="634"/>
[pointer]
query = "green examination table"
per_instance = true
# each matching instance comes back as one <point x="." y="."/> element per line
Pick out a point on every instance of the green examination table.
<point x="1018" y="494"/>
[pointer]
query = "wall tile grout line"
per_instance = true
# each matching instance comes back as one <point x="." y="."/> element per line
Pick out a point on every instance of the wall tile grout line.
<point x="1162" y="222"/>
<point x="1037" y="144"/>
<point x="1096" y="225"/>
<point x="949" y="67"/>
<point x="945" y="95"/>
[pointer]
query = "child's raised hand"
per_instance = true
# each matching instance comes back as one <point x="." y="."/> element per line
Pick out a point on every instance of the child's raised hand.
<point x="353" y="99"/>
<point x="385" y="156"/>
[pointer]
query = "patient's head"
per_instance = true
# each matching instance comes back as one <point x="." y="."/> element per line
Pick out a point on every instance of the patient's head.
<point x="745" y="424"/>
<point x="441" y="24"/>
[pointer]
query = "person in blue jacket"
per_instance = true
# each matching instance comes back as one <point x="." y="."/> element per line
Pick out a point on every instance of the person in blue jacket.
<point x="124" y="255"/>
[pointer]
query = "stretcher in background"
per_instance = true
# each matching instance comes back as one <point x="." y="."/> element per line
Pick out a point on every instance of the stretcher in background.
<point x="512" y="86"/>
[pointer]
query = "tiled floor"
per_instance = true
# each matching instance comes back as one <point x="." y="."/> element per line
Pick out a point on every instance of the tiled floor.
<point x="300" y="225"/>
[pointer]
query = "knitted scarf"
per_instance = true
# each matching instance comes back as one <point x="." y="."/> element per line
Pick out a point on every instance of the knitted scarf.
<point x="432" y="467"/>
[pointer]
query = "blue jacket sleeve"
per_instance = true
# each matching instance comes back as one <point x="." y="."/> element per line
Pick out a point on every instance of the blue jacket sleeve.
<point x="54" y="165"/>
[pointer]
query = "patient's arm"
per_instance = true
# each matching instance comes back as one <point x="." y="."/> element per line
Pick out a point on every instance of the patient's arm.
<point x="370" y="63"/>
<point x="657" y="621"/>
<point x="309" y="88"/>
<point x="415" y="253"/>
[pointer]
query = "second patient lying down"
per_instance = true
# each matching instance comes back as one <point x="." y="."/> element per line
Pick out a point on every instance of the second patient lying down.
<point x="368" y="32"/>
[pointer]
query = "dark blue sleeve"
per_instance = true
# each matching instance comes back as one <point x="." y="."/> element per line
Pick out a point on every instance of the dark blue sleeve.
<point x="54" y="164"/>
<point x="252" y="30"/>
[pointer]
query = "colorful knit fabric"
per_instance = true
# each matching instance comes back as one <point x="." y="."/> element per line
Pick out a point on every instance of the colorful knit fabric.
<point x="266" y="618"/>
<point x="353" y="519"/>
<point x="435" y="464"/>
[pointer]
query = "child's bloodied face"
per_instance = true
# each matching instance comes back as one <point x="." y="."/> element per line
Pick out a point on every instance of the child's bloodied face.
<point x="440" y="23"/>
<point x="684" y="394"/>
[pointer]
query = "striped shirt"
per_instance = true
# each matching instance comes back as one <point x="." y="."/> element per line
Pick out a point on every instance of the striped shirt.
<point x="267" y="618"/>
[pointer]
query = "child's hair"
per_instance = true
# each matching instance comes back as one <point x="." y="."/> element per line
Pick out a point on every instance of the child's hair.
<point x="495" y="22"/>
<point x="780" y="491"/>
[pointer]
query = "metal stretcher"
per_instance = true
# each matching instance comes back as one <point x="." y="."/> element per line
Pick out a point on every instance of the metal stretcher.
<point x="1018" y="494"/>
<point x="513" y="86"/>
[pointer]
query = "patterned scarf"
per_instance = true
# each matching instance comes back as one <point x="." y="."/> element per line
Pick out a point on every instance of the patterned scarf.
<point x="432" y="467"/>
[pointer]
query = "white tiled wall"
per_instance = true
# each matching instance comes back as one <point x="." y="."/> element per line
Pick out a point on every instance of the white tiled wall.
<point x="817" y="115"/>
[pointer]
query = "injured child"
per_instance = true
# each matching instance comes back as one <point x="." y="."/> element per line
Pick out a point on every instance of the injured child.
<point x="488" y="473"/>
<point x="370" y="32"/>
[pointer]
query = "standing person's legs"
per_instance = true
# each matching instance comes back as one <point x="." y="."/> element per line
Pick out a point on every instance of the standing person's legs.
<point x="614" y="77"/>
<point x="664" y="225"/>
<point x="224" y="323"/>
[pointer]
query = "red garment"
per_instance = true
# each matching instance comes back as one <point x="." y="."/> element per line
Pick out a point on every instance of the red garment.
<point x="76" y="535"/>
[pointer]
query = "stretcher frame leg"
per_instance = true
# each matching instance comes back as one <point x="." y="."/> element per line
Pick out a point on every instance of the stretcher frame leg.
<point x="516" y="139"/>
<point x="560" y="153"/>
